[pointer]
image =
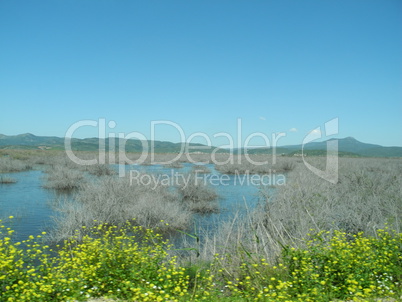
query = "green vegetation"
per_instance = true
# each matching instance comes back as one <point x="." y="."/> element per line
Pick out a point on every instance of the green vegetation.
<point x="131" y="263"/>
<point x="347" y="146"/>
<point x="128" y="262"/>
<point x="29" y="141"/>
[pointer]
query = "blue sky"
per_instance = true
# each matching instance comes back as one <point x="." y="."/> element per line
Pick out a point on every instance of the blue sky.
<point x="279" y="66"/>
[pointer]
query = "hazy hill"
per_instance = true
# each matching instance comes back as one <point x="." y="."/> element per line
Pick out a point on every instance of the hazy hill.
<point x="30" y="141"/>
<point x="348" y="146"/>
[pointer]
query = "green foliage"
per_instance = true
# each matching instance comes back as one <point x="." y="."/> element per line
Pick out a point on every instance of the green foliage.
<point x="127" y="262"/>
<point x="347" y="266"/>
<point x="133" y="263"/>
<point x="332" y="266"/>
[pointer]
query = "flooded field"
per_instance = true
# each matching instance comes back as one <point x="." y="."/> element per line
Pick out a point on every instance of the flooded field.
<point x="33" y="206"/>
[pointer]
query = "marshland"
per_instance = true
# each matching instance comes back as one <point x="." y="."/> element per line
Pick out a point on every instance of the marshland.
<point x="182" y="231"/>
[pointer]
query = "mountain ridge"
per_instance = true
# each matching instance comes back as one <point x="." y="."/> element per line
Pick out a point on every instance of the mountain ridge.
<point x="348" y="146"/>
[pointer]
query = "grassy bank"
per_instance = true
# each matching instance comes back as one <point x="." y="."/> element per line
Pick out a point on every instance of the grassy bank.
<point x="131" y="263"/>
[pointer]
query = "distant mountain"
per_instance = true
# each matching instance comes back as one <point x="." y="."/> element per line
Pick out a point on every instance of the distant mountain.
<point x="30" y="141"/>
<point x="348" y="146"/>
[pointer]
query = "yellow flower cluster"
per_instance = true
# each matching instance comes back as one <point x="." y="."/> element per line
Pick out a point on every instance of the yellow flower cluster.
<point x="131" y="263"/>
<point x="347" y="266"/>
<point x="126" y="263"/>
<point x="333" y="266"/>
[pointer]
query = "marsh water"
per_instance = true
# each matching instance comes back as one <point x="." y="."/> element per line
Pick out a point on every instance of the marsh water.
<point x="32" y="206"/>
<point x="28" y="202"/>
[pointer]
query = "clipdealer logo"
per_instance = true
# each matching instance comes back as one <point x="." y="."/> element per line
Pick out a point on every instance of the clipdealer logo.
<point x="148" y="147"/>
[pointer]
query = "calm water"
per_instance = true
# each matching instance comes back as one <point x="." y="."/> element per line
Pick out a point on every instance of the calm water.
<point x="31" y="204"/>
<point x="28" y="202"/>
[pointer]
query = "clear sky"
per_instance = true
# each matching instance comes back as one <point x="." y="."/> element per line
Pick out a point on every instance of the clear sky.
<point x="279" y="66"/>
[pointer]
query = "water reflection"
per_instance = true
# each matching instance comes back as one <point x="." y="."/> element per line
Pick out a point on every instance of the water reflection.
<point x="28" y="202"/>
<point x="31" y="204"/>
